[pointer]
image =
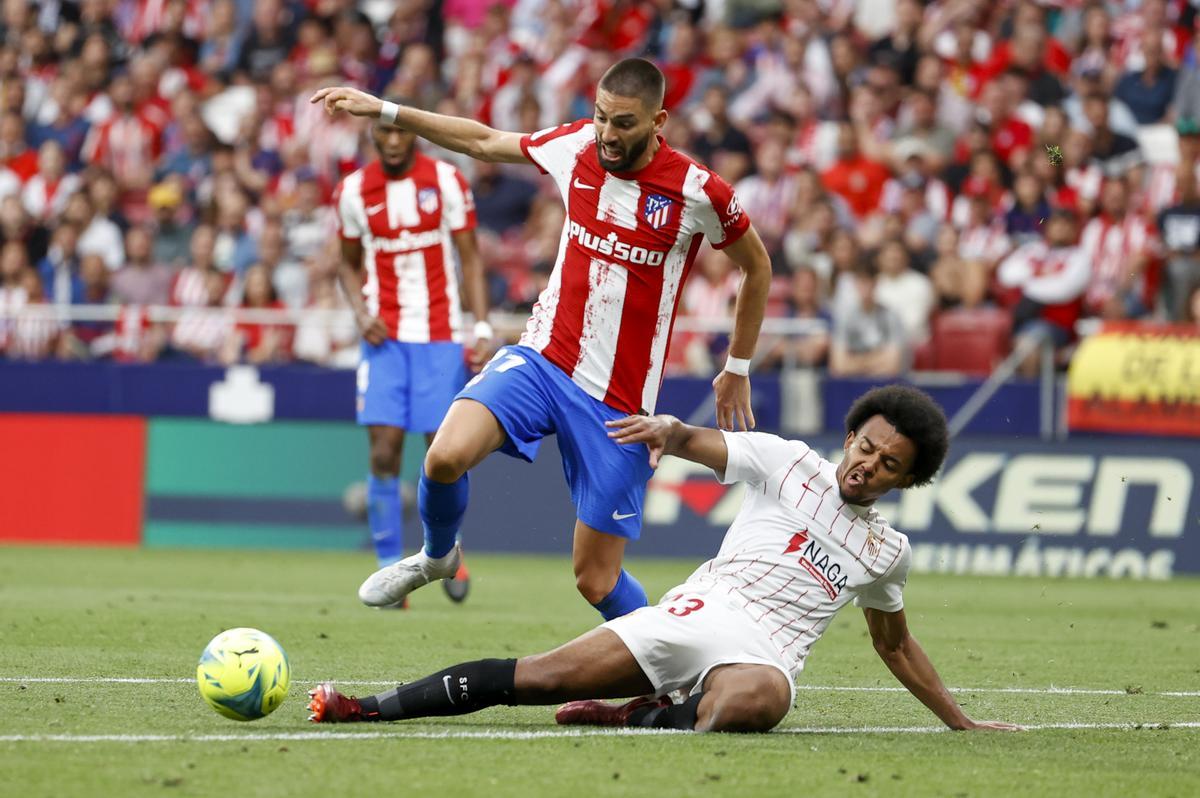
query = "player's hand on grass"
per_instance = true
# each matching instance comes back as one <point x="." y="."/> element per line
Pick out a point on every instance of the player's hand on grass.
<point x="654" y="431"/>
<point x="733" y="401"/>
<point x="344" y="98"/>
<point x="374" y="331"/>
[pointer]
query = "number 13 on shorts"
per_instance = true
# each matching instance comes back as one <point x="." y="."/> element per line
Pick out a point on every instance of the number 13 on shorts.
<point x="680" y="604"/>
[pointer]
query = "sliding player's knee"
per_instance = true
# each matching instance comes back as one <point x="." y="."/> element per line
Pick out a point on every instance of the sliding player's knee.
<point x="446" y="461"/>
<point x="741" y="711"/>
<point x="750" y="703"/>
<point x="595" y="583"/>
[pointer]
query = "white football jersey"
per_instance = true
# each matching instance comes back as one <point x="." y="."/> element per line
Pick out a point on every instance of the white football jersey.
<point x="797" y="552"/>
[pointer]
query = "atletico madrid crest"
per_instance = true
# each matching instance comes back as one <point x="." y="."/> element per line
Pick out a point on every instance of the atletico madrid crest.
<point x="658" y="210"/>
<point x="427" y="200"/>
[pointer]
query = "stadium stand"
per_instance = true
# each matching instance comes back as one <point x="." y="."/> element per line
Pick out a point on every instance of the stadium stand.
<point x="162" y="154"/>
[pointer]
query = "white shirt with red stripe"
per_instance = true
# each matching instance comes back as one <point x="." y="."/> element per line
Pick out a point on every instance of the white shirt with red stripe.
<point x="627" y="247"/>
<point x="1111" y="246"/>
<point x="405" y="226"/>
<point x="1055" y="277"/>
<point x="797" y="552"/>
<point x="988" y="243"/>
<point x="45" y="199"/>
<point x="127" y="144"/>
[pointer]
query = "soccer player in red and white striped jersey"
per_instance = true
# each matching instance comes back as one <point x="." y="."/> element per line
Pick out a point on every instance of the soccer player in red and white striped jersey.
<point x="596" y="343"/>
<point x="401" y="219"/>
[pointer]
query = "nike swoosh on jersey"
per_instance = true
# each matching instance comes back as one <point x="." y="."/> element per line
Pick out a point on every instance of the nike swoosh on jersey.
<point x="374" y="209"/>
<point x="580" y="184"/>
<point x="622" y="516"/>
<point x="446" y="684"/>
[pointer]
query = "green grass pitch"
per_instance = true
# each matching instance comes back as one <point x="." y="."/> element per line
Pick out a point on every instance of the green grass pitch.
<point x="89" y="616"/>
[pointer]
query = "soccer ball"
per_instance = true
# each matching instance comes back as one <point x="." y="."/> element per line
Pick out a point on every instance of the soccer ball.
<point x="243" y="674"/>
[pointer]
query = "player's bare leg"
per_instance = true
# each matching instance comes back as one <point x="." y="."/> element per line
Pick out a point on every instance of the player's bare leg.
<point x="597" y="558"/>
<point x="467" y="435"/>
<point x="595" y="664"/>
<point x="743" y="698"/>
<point x="735" y="698"/>
<point x="599" y="577"/>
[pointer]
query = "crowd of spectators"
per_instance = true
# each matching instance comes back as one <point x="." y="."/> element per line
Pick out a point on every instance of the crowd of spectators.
<point x="904" y="161"/>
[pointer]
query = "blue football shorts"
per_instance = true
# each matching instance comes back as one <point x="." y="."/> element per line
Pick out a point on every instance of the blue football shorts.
<point x="409" y="386"/>
<point x="533" y="398"/>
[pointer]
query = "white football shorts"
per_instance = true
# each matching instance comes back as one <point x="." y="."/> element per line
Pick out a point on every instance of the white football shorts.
<point x="694" y="628"/>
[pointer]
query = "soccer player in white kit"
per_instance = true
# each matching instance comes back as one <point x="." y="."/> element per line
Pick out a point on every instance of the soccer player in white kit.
<point x="736" y="634"/>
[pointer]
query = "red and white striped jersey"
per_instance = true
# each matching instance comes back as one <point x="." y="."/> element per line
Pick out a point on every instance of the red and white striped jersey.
<point x="627" y="247"/>
<point x="1055" y="277"/>
<point x="405" y="227"/>
<point x="46" y="199"/>
<point x="126" y="144"/>
<point x="797" y="552"/>
<point x="1111" y="247"/>
<point x="988" y="243"/>
<point x="190" y="287"/>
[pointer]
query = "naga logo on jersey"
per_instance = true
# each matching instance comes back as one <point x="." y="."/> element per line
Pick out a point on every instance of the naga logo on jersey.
<point x="798" y="540"/>
<point x="822" y="567"/>
<point x="658" y="210"/>
<point x="427" y="200"/>
<point x="613" y="247"/>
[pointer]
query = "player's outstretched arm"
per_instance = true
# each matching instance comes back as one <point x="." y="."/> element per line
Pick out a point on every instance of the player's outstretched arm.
<point x="452" y="132"/>
<point x="668" y="435"/>
<point x="906" y="660"/>
<point x="731" y="386"/>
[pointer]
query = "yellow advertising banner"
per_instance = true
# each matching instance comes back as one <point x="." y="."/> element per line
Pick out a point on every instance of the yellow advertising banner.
<point x="1139" y="378"/>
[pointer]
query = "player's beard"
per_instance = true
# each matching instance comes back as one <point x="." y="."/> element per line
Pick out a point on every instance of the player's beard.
<point x="401" y="168"/>
<point x="631" y="155"/>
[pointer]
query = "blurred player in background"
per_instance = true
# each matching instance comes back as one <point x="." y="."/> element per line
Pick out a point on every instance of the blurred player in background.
<point x="401" y="217"/>
<point x="805" y="543"/>
<point x="594" y="348"/>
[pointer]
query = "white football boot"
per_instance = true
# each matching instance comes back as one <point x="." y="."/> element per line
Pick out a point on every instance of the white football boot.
<point x="390" y="585"/>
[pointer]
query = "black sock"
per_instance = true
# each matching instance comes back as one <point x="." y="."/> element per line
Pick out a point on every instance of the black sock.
<point x="458" y="690"/>
<point x="675" y="716"/>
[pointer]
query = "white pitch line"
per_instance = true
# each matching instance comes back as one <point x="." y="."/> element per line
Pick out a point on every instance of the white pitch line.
<point x="531" y="735"/>
<point x="1051" y="690"/>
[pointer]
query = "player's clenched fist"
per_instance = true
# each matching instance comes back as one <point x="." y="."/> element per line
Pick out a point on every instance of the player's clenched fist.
<point x="352" y="101"/>
<point x="374" y="331"/>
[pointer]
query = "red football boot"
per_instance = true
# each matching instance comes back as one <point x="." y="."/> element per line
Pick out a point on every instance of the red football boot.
<point x="329" y="706"/>
<point x="602" y="713"/>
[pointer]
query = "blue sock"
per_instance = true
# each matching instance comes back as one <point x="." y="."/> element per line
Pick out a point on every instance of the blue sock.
<point x="384" y="518"/>
<point x="442" y="509"/>
<point x="626" y="596"/>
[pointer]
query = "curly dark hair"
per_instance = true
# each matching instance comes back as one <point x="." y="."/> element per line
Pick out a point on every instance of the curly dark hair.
<point x="915" y="415"/>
